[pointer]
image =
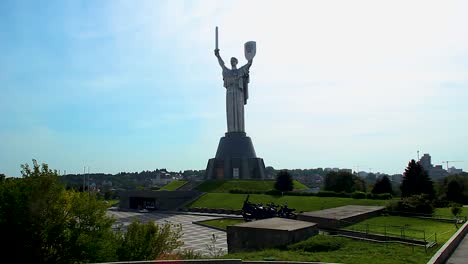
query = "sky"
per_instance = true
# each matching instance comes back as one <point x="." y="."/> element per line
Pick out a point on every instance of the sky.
<point x="134" y="85"/>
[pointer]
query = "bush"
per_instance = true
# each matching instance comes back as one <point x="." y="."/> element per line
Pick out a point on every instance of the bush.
<point x="300" y="194"/>
<point x="441" y="203"/>
<point x="319" y="243"/>
<point x="240" y="191"/>
<point x="273" y="192"/>
<point x="358" y="195"/>
<point x="333" y="194"/>
<point x="148" y="241"/>
<point x="380" y="196"/>
<point x="456" y="209"/>
<point x="416" y="204"/>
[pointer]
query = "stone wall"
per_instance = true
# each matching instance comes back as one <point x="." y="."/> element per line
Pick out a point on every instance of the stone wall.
<point x="166" y="200"/>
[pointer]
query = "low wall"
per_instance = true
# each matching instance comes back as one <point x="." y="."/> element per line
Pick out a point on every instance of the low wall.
<point x="268" y="233"/>
<point x="449" y="247"/>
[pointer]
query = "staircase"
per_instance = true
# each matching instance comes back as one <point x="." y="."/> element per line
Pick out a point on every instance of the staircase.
<point x="190" y="185"/>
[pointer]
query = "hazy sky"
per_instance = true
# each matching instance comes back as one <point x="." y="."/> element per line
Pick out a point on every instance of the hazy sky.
<point x="134" y="85"/>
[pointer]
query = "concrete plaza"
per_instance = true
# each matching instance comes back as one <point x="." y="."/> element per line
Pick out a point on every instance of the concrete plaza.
<point x="195" y="237"/>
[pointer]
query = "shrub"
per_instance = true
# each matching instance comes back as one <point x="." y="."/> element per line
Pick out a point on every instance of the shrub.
<point x="379" y="196"/>
<point x="333" y="194"/>
<point x="358" y="195"/>
<point x="319" y="243"/>
<point x="416" y="204"/>
<point x="148" y="241"/>
<point x="300" y="194"/>
<point x="240" y="191"/>
<point x="273" y="192"/>
<point x="456" y="209"/>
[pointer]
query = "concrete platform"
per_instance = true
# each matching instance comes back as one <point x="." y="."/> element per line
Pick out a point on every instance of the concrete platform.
<point x="268" y="233"/>
<point x="340" y="216"/>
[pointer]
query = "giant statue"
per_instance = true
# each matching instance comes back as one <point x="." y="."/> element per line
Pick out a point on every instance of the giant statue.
<point x="236" y="82"/>
<point x="235" y="157"/>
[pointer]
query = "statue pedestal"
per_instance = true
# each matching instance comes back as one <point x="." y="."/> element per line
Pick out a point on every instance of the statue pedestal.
<point x="235" y="159"/>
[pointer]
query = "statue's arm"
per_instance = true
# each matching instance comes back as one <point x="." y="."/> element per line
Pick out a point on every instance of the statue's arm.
<point x="220" y="60"/>
<point x="247" y="66"/>
<point x="249" y="63"/>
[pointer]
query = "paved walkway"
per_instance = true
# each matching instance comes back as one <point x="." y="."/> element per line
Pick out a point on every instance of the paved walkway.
<point x="460" y="255"/>
<point x="194" y="236"/>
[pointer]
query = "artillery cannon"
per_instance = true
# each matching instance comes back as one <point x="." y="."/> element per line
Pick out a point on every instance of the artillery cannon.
<point x="251" y="211"/>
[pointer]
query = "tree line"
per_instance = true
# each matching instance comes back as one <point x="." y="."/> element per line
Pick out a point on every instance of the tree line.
<point x="43" y="222"/>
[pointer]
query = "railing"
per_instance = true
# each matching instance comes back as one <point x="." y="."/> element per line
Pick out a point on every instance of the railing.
<point x="387" y="233"/>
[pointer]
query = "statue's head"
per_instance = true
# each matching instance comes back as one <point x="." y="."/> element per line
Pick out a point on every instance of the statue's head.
<point x="234" y="62"/>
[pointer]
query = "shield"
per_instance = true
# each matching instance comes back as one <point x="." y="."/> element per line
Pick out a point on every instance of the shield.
<point x="250" y="48"/>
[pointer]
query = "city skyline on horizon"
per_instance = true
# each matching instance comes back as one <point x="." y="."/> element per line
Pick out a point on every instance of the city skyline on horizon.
<point x="135" y="86"/>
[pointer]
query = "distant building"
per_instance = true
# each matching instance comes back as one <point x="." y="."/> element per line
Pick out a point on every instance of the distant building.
<point x="453" y="170"/>
<point x="435" y="172"/>
<point x="362" y="174"/>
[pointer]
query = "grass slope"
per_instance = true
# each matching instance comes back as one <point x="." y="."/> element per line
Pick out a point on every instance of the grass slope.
<point x="173" y="185"/>
<point x="245" y="185"/>
<point x="408" y="226"/>
<point x="352" y="251"/>
<point x="300" y="203"/>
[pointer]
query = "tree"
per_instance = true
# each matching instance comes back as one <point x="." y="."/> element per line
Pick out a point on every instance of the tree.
<point x="416" y="181"/>
<point x="454" y="188"/>
<point x="343" y="181"/>
<point x="284" y="181"/>
<point x="47" y="224"/>
<point x="383" y="185"/>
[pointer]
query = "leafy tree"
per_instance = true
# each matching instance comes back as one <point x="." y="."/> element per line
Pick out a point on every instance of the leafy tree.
<point x="416" y="181"/>
<point x="343" y="181"/>
<point x="148" y="241"/>
<point x="454" y="188"/>
<point x="359" y="184"/>
<point x="383" y="185"/>
<point x="45" y="223"/>
<point x="284" y="181"/>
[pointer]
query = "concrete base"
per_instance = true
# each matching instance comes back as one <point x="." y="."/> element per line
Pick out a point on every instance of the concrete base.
<point x="156" y="200"/>
<point x="340" y="216"/>
<point x="268" y="233"/>
<point x="235" y="159"/>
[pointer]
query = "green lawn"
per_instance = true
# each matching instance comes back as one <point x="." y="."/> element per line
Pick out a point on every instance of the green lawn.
<point x="217" y="186"/>
<point x="222" y="223"/>
<point x="352" y="251"/>
<point x="407" y="226"/>
<point x="300" y="203"/>
<point x="445" y="212"/>
<point x="173" y="185"/>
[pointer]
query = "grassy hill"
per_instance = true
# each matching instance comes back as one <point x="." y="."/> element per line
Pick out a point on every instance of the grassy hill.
<point x="215" y="186"/>
<point x="174" y="185"/>
<point x="300" y="203"/>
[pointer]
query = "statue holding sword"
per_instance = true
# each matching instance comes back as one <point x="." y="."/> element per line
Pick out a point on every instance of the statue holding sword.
<point x="236" y="82"/>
